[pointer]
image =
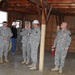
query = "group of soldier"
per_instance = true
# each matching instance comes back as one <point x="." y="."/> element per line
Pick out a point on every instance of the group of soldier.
<point x="30" y="43"/>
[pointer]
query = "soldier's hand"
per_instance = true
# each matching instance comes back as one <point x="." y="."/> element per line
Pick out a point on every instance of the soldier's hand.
<point x="5" y="38"/>
<point x="53" y="46"/>
<point x="66" y="48"/>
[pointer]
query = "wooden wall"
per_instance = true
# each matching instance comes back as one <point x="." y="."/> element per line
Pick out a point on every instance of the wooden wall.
<point x="13" y="16"/>
<point x="71" y="26"/>
<point x="51" y="28"/>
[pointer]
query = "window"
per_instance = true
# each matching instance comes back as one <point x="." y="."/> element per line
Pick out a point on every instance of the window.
<point x="3" y="17"/>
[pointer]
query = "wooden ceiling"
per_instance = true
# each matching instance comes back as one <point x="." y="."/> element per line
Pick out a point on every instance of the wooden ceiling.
<point x="31" y="6"/>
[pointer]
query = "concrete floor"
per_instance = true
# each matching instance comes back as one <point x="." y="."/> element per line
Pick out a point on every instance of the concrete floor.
<point x="16" y="68"/>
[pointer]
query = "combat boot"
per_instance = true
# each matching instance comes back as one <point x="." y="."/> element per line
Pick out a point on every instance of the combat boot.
<point x="33" y="67"/>
<point x="23" y="62"/>
<point x="27" y="62"/>
<point x="6" y="59"/>
<point x="1" y="60"/>
<point x="60" y="70"/>
<point x="55" y="68"/>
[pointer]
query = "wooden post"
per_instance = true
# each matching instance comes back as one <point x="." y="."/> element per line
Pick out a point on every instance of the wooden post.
<point x="42" y="43"/>
<point x="44" y="20"/>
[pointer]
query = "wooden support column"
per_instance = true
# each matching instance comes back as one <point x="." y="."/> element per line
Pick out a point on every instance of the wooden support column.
<point x="42" y="44"/>
<point x="57" y="23"/>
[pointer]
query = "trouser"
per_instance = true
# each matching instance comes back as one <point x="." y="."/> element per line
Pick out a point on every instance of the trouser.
<point x="13" y="48"/>
<point x="60" y="56"/>
<point x="26" y="51"/>
<point x="19" y="44"/>
<point x="4" y="49"/>
<point x="34" y="52"/>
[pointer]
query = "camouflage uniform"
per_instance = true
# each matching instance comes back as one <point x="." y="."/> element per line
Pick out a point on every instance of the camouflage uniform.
<point x="4" y="44"/>
<point x="62" y="41"/>
<point x="34" y="43"/>
<point x="25" y="43"/>
<point x="19" y="38"/>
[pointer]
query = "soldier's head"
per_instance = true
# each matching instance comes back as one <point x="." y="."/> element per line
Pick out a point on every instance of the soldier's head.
<point x="63" y="25"/>
<point x="35" y="23"/>
<point x="14" y="24"/>
<point x="5" y="24"/>
<point x="27" y="24"/>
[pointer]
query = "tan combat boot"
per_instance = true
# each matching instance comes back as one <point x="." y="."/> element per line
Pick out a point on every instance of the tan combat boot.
<point x="1" y="60"/>
<point x="23" y="62"/>
<point x="27" y="62"/>
<point x="33" y="67"/>
<point x="60" y="70"/>
<point x="30" y="65"/>
<point x="55" y="68"/>
<point x="6" y="59"/>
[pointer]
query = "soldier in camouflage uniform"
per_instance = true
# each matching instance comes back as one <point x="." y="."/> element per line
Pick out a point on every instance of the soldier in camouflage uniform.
<point x="25" y="42"/>
<point x="34" y="43"/>
<point x="62" y="43"/>
<point x="19" y="37"/>
<point x="5" y="34"/>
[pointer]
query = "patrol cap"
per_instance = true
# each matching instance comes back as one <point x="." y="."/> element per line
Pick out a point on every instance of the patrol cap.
<point x="27" y="22"/>
<point x="4" y="21"/>
<point x="13" y="23"/>
<point x="35" y="22"/>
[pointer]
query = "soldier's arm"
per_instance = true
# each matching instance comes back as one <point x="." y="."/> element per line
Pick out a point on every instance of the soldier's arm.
<point x="10" y="33"/>
<point x="1" y="37"/>
<point x="29" y="31"/>
<point x="23" y="32"/>
<point x="55" y="41"/>
<point x="68" y="39"/>
<point x="36" y="33"/>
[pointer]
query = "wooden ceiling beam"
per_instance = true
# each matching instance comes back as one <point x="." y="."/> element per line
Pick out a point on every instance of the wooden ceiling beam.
<point x="63" y="5"/>
<point x="49" y="13"/>
<point x="36" y="2"/>
<point x="17" y="1"/>
<point x="24" y="8"/>
<point x="60" y="1"/>
<point x="20" y="10"/>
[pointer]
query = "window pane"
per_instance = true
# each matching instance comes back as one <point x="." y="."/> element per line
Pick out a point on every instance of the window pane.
<point x="3" y="17"/>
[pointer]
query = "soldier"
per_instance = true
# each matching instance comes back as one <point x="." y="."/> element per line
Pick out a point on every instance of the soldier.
<point x="19" y="37"/>
<point x="62" y="43"/>
<point x="34" y="43"/>
<point x="5" y="34"/>
<point x="25" y="42"/>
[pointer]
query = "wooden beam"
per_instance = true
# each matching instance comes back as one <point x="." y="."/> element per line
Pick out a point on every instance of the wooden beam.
<point x="49" y="13"/>
<point x="60" y="1"/>
<point x="36" y="2"/>
<point x="42" y="43"/>
<point x="63" y="5"/>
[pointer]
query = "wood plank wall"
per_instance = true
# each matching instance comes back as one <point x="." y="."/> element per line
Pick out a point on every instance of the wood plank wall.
<point x="13" y="16"/>
<point x="51" y="28"/>
<point x="71" y="26"/>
